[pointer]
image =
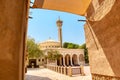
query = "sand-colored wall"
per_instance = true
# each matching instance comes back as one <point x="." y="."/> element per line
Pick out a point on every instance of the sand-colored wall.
<point x="103" y="38"/>
<point x="12" y="32"/>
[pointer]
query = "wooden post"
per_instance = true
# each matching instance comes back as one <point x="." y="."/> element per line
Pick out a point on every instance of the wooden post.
<point x="61" y="69"/>
<point x="58" y="69"/>
<point x="54" y="68"/>
<point x="82" y="70"/>
<point x="70" y="71"/>
<point x="65" y="70"/>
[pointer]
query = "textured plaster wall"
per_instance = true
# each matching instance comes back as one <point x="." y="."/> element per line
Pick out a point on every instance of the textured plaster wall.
<point x="103" y="41"/>
<point x="12" y="26"/>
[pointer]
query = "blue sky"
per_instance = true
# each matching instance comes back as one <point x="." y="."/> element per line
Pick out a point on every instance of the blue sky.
<point x="43" y="26"/>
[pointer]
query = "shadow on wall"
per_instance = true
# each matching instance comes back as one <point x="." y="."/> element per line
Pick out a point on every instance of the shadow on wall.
<point x="109" y="37"/>
<point x="110" y="40"/>
<point x="32" y="77"/>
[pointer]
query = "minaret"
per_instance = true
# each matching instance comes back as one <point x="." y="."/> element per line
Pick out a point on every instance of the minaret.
<point x="59" y="25"/>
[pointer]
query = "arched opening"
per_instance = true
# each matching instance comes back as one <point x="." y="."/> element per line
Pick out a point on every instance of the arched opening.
<point x="47" y="30"/>
<point x="81" y="57"/>
<point x="67" y="60"/>
<point x="75" y="60"/>
<point x="19" y="16"/>
<point x="32" y="63"/>
<point x="60" y="61"/>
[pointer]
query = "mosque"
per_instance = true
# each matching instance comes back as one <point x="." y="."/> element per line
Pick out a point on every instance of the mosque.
<point x="70" y="57"/>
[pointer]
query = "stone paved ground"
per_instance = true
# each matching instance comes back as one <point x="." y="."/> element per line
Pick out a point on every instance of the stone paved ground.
<point x="46" y="74"/>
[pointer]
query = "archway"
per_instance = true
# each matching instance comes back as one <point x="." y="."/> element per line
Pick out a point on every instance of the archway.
<point x="81" y="57"/>
<point x="60" y="61"/>
<point x="32" y="63"/>
<point x="19" y="18"/>
<point x="74" y="60"/>
<point x="14" y="37"/>
<point x="67" y="60"/>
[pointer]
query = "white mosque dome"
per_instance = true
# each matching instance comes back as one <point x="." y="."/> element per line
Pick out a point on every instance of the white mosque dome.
<point x="49" y="44"/>
<point x="50" y="40"/>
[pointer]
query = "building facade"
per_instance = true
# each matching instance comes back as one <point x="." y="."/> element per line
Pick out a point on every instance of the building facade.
<point x="70" y="57"/>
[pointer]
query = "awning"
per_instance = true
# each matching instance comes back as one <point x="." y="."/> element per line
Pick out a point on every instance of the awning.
<point x="73" y="6"/>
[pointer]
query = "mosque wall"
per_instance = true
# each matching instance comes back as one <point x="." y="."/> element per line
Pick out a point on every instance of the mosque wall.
<point x="102" y="39"/>
<point x="13" y="20"/>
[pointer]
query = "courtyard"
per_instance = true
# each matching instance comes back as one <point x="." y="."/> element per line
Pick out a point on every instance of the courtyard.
<point x="97" y="20"/>
<point x="46" y="74"/>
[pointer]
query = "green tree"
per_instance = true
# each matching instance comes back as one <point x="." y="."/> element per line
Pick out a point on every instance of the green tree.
<point x="53" y="55"/>
<point x="33" y="49"/>
<point x="70" y="45"/>
<point x="83" y="46"/>
<point x="65" y="44"/>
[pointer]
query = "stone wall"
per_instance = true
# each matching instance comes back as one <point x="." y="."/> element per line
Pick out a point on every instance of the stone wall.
<point x="12" y="37"/>
<point x="102" y="38"/>
<point x="104" y="77"/>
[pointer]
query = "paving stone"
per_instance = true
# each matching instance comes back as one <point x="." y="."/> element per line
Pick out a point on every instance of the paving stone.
<point x="46" y="74"/>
